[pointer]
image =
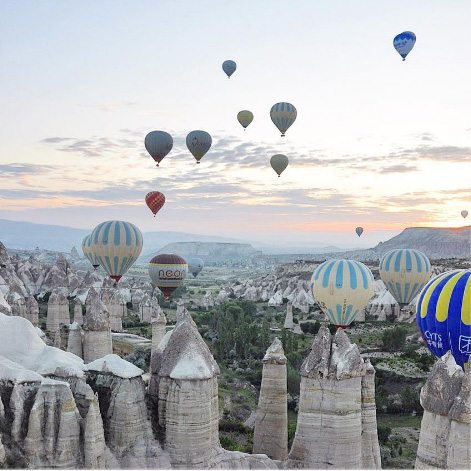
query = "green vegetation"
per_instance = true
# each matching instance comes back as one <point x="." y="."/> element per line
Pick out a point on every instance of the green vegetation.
<point x="394" y="339"/>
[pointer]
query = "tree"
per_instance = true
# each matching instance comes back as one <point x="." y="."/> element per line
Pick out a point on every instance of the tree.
<point x="394" y="339"/>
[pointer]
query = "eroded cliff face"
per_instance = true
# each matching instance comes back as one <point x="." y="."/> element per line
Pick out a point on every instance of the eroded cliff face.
<point x="445" y="433"/>
<point x="332" y="413"/>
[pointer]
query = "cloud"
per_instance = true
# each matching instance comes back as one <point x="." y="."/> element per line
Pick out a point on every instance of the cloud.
<point x="398" y="169"/>
<point x="15" y="170"/>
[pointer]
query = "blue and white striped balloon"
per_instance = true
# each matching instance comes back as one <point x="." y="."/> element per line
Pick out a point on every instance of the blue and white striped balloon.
<point x="404" y="42"/>
<point x="117" y="245"/>
<point x="88" y="251"/>
<point x="283" y="116"/>
<point x="405" y="272"/>
<point x="342" y="288"/>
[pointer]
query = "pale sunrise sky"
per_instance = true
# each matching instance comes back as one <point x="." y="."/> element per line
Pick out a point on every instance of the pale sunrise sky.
<point x="378" y="142"/>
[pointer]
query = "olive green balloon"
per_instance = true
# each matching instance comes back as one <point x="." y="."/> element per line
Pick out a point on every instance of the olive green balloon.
<point x="279" y="162"/>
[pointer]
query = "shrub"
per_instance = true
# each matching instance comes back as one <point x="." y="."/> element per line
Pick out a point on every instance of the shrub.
<point x="383" y="434"/>
<point x="293" y="379"/>
<point x="310" y="327"/>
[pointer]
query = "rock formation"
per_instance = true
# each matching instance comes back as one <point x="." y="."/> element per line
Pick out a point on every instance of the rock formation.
<point x="116" y="307"/>
<point x="445" y="433"/>
<point x="289" y="324"/>
<point x="17" y="303"/>
<point x="32" y="310"/>
<point x="78" y="311"/>
<point x="184" y="402"/>
<point x="159" y="322"/>
<point x="57" y="311"/>
<point x="271" y="420"/>
<point x="145" y="309"/>
<point x="96" y="327"/>
<point x="75" y="341"/>
<point x="331" y="419"/>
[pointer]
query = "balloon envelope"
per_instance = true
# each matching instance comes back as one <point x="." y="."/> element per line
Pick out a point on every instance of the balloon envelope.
<point x="283" y="116"/>
<point x="168" y="271"/>
<point x="404" y="272"/>
<point x="158" y="144"/>
<point x="229" y="67"/>
<point x="117" y="245"/>
<point x="245" y="117"/>
<point x="444" y="315"/>
<point x="198" y="143"/>
<point x="359" y="231"/>
<point x="195" y="265"/>
<point x="155" y="200"/>
<point x="464" y="213"/>
<point x="404" y="42"/>
<point x="278" y="163"/>
<point x="342" y="288"/>
<point x="88" y="251"/>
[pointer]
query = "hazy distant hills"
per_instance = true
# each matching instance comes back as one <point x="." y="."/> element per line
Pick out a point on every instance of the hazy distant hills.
<point x="212" y="252"/>
<point x="28" y="236"/>
<point x="435" y="242"/>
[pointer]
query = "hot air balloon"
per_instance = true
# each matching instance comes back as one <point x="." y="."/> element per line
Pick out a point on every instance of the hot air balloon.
<point x="278" y="163"/>
<point x="117" y="245"/>
<point x="88" y="251"/>
<point x="444" y="315"/>
<point x="404" y="272"/>
<point x="155" y="200"/>
<point x="283" y="116"/>
<point x="464" y="213"/>
<point x="195" y="265"/>
<point x="198" y="143"/>
<point x="229" y="67"/>
<point x="158" y="144"/>
<point x="167" y="271"/>
<point x="359" y="231"/>
<point x="245" y="117"/>
<point x="404" y="42"/>
<point x="342" y="288"/>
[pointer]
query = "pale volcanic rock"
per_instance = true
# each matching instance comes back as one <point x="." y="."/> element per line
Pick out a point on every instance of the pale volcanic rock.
<point x="78" y="311"/>
<point x="116" y="306"/>
<point x="271" y="421"/>
<point x="94" y="445"/>
<point x="276" y="299"/>
<point x="446" y="424"/>
<point x="370" y="451"/>
<point x="53" y="437"/>
<point x="57" y="311"/>
<point x="159" y="322"/>
<point x="222" y="297"/>
<point x="32" y="310"/>
<point x="17" y="303"/>
<point x="145" y="309"/>
<point x="330" y="419"/>
<point x="75" y="340"/>
<point x="96" y="330"/>
<point x="5" y="308"/>
<point x="289" y="324"/>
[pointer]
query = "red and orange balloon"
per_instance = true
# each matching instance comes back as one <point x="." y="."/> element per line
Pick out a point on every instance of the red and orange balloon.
<point x="155" y="200"/>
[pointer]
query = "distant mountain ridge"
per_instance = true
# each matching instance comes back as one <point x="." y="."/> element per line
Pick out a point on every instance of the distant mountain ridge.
<point x="212" y="252"/>
<point x="435" y="242"/>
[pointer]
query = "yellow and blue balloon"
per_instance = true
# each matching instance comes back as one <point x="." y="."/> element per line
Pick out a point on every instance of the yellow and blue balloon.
<point x="444" y="315"/>
<point x="342" y="288"/>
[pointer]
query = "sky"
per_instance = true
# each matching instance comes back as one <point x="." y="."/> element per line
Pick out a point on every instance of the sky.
<point x="378" y="142"/>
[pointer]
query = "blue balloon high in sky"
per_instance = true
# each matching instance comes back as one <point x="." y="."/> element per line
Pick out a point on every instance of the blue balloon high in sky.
<point x="444" y="315"/>
<point x="404" y="42"/>
<point x="229" y="67"/>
